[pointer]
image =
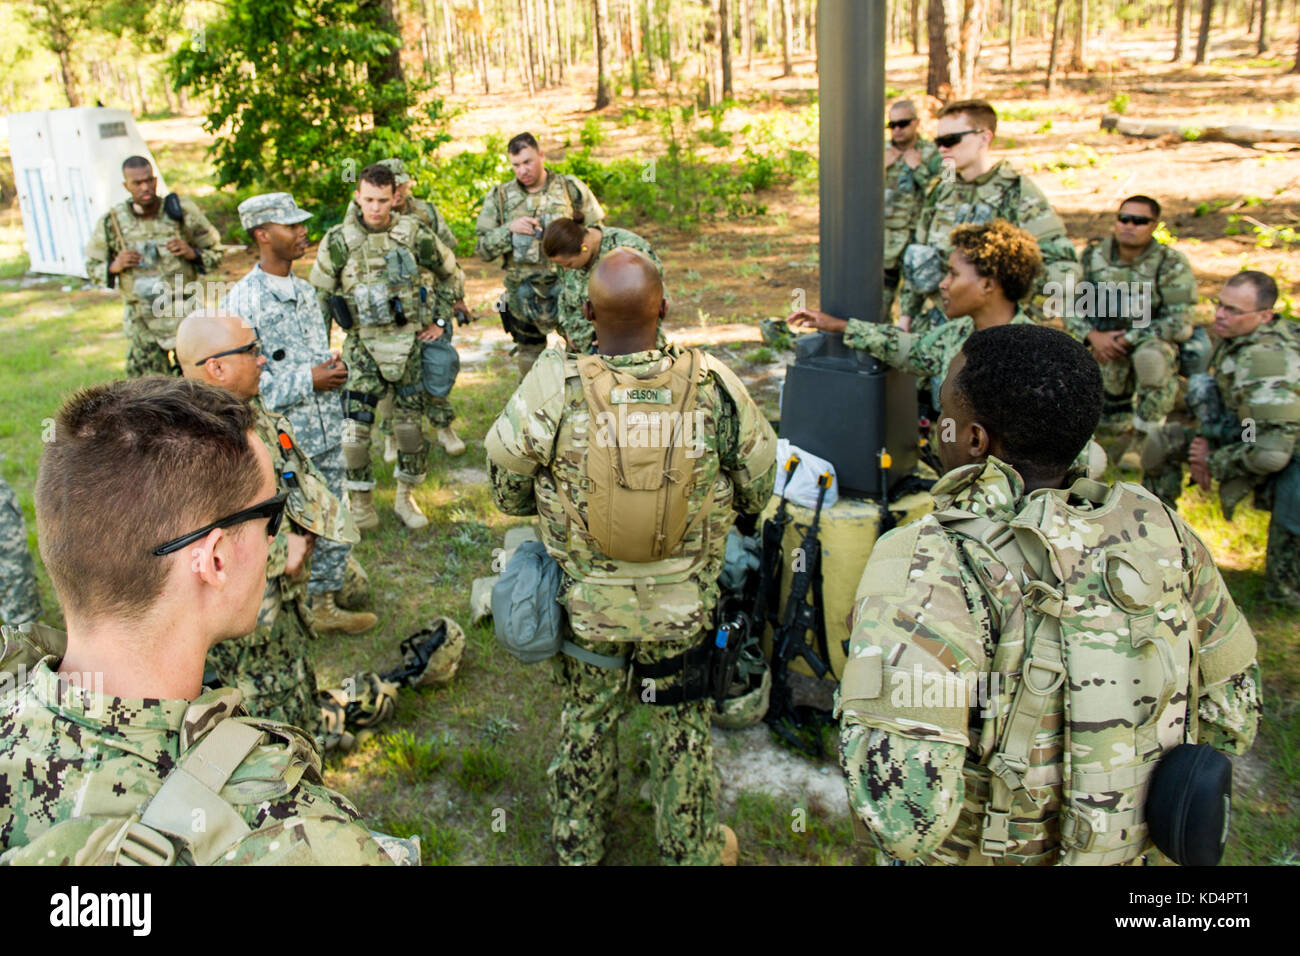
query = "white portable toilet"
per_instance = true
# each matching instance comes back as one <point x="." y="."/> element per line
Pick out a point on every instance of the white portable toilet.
<point x="68" y="171"/>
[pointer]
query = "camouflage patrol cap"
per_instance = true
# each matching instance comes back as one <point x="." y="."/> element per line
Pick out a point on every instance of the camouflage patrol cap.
<point x="271" y="207"/>
<point x="397" y="168"/>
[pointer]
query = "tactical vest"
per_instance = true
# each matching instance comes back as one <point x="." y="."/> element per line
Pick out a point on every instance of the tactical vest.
<point x="1097" y="666"/>
<point x="636" y="507"/>
<point x="1098" y="268"/>
<point x="154" y="290"/>
<point x="388" y="293"/>
<point x="903" y="198"/>
<point x="546" y="206"/>
<point x="962" y="202"/>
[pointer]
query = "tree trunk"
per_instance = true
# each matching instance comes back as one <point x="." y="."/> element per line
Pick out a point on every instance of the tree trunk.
<point x="810" y="22"/>
<point x="747" y="32"/>
<point x="938" y="78"/>
<point x="387" y="68"/>
<point x="914" y="26"/>
<point x="724" y="43"/>
<point x="1180" y="30"/>
<point x="69" y="77"/>
<point x="787" y="27"/>
<point x="482" y="45"/>
<point x="139" y="82"/>
<point x="449" y="42"/>
<point x="1262" y="45"/>
<point x="1296" y="67"/>
<point x="1011" y="34"/>
<point x="968" y="51"/>
<point x="1079" y="58"/>
<point x="1203" y="31"/>
<point x="600" y="10"/>
<point x="1058" y="20"/>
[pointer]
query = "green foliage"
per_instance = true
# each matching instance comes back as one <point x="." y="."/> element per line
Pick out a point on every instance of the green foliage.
<point x="292" y="105"/>
<point x="1192" y="133"/>
<point x="483" y="769"/>
<point x="416" y="759"/>
<point x="1164" y="234"/>
<point x="438" y="846"/>
<point x="592" y="135"/>
<point x="760" y="356"/>
<point x="1118" y="103"/>
<point x="1044" y="127"/>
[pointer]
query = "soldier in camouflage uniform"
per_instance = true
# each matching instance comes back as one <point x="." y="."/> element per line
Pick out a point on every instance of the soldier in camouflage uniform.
<point x="393" y="279"/>
<point x="638" y="595"/>
<point x="978" y="189"/>
<point x="1135" y="313"/>
<point x="271" y="666"/>
<point x="945" y="769"/>
<point x="19" y="600"/>
<point x="301" y="378"/>
<point x="154" y="260"/>
<point x="94" y="727"/>
<point x="510" y="227"/>
<point x="912" y="163"/>
<point x="576" y="248"/>
<point x="1248" y="420"/>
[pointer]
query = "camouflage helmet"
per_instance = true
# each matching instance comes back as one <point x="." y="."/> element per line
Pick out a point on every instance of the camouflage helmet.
<point x="334" y="734"/>
<point x="432" y="656"/>
<point x="372" y="701"/>
<point x="748" y="696"/>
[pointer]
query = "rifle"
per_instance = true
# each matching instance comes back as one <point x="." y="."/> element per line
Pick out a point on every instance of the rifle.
<point x="766" y="599"/>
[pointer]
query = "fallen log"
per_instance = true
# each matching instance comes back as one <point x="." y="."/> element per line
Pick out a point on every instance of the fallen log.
<point x="1233" y="133"/>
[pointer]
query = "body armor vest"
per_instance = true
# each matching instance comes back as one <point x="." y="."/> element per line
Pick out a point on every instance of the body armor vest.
<point x="155" y="289"/>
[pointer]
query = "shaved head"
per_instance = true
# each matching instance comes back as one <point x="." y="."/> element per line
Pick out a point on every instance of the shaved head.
<point x="203" y="336"/>
<point x="625" y="301"/>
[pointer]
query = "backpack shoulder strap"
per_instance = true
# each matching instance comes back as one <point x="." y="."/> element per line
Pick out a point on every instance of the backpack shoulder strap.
<point x="575" y="192"/>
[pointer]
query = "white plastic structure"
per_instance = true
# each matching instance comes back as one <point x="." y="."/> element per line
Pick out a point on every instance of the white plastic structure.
<point x="68" y="170"/>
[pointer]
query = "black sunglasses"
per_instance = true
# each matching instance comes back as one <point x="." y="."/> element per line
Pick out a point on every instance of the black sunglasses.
<point x="1131" y="220"/>
<point x="272" y="509"/>
<point x="899" y="124"/>
<point x="254" y="346"/>
<point x="949" y="140"/>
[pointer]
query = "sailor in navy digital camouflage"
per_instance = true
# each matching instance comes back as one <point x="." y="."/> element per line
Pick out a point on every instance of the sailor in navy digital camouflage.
<point x="19" y="600"/>
<point x="303" y="378"/>
<point x="912" y="164"/>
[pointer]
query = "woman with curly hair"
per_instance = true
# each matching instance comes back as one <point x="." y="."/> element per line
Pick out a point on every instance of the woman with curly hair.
<point x="576" y="248"/>
<point x="992" y="269"/>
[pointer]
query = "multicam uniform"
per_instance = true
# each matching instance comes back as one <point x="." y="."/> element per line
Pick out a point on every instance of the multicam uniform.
<point x="295" y="339"/>
<point x="403" y="263"/>
<point x="530" y="303"/>
<point x="271" y="666"/>
<point x="154" y="292"/>
<point x="68" y="751"/>
<point x="1168" y="290"/>
<point x="1249" y="410"/>
<point x="1001" y="193"/>
<point x="539" y="453"/>
<point x="579" y="334"/>
<point x="19" y="600"/>
<point x="937" y="603"/>
<point x="905" y="189"/>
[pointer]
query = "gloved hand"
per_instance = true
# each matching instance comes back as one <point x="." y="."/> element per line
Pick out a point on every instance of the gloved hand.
<point x="742" y="557"/>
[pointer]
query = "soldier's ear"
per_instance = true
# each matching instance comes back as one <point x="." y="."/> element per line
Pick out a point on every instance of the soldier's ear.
<point x="663" y="309"/>
<point x="589" y="312"/>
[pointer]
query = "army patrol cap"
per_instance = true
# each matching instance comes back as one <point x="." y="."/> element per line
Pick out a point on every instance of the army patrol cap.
<point x="271" y="207"/>
<point x="398" y="169"/>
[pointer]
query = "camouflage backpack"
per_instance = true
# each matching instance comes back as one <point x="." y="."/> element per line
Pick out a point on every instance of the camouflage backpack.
<point x="1098" y="661"/>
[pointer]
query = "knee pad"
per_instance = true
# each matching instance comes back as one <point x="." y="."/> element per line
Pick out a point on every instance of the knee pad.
<point x="1271" y="453"/>
<point x="356" y="443"/>
<point x="1163" y="446"/>
<point x="409" y="437"/>
<point x="1151" y="366"/>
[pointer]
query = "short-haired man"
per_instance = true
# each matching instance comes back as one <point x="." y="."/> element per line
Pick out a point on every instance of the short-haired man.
<point x="639" y="532"/>
<point x="1248" y="420"/>
<point x="510" y="227"/>
<point x="151" y="251"/>
<point x="110" y="748"/>
<point x="19" y="600"/>
<point x="271" y="665"/>
<point x="945" y="763"/>
<point x="1135" y="313"/>
<point x="301" y="378"/>
<point x="391" y="281"/>
<point x="912" y="163"/>
<point x="978" y="188"/>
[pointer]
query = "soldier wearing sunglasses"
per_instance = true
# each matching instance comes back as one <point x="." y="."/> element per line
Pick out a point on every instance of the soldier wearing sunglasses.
<point x="911" y="164"/>
<point x="1139" y="321"/>
<point x="978" y="189"/>
<point x="156" y="505"/>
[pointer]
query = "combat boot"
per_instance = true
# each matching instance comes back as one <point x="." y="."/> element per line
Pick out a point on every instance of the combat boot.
<point x="328" y="618"/>
<point x="451" y="442"/>
<point x="730" y="847"/>
<point x="406" y="508"/>
<point x="363" y="510"/>
<point x="390" y="448"/>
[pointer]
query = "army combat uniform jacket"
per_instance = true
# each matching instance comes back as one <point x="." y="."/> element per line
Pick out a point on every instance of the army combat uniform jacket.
<point x="579" y="334"/>
<point x="154" y="291"/>
<point x="917" y="766"/>
<point x="905" y="190"/>
<point x="1001" y="193"/>
<point x="926" y="356"/>
<point x="72" y="752"/>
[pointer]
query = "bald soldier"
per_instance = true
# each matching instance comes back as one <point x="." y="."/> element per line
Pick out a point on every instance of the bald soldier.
<point x="639" y="532"/>
<point x="271" y="665"/>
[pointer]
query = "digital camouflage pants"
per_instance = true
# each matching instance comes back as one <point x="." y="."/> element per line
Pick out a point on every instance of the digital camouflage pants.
<point x="272" y="669"/>
<point x="19" y="600"/>
<point x="329" y="558"/>
<point x="584" y="774"/>
<point x="144" y="356"/>
<point x="1282" y="565"/>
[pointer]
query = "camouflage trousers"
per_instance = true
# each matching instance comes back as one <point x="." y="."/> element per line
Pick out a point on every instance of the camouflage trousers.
<point x="329" y="558"/>
<point x="1152" y="399"/>
<point x="1282" y="565"/>
<point x="411" y="404"/>
<point x="438" y="410"/>
<point x="584" y="774"/>
<point x="144" y="356"/>
<point x="19" y="600"/>
<point x="272" y="669"/>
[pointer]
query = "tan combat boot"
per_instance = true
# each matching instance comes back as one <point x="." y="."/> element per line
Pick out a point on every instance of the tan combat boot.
<point x="390" y="448"/>
<point x="406" y="508"/>
<point x="328" y="618"/>
<point x="451" y="442"/>
<point x="730" y="847"/>
<point x="363" y="509"/>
